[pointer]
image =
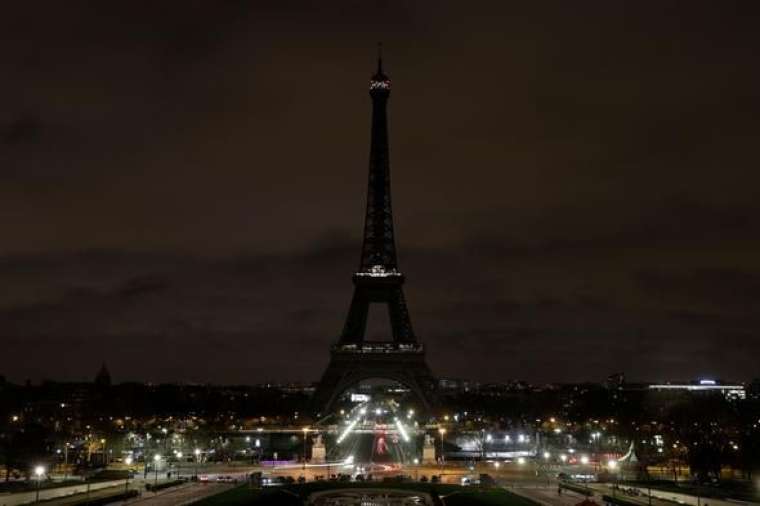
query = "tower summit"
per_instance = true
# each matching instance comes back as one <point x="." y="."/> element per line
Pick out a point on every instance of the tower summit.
<point x="377" y="281"/>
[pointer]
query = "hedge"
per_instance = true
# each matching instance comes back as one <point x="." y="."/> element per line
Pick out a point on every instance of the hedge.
<point x="168" y="484"/>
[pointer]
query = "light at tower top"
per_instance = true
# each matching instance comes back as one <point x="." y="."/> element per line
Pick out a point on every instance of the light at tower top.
<point x="379" y="81"/>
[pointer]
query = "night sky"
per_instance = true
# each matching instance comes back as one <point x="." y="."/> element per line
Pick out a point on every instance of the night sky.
<point x="182" y="186"/>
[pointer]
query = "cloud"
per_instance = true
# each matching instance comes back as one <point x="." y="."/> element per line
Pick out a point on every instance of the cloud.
<point x="564" y="180"/>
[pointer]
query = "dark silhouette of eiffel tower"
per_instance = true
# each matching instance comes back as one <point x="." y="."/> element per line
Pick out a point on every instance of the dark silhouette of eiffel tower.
<point x="378" y="281"/>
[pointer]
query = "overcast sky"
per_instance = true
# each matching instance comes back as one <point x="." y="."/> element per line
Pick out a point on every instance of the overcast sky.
<point x="575" y="186"/>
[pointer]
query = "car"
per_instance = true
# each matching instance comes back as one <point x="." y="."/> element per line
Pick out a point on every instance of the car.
<point x="486" y="480"/>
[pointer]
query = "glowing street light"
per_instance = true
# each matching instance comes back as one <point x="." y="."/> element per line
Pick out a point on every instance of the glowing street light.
<point x="442" y="432"/>
<point x="521" y="460"/>
<point x="584" y="460"/>
<point x="547" y="455"/>
<point x="563" y="457"/>
<point x="612" y="464"/>
<point x="38" y="472"/>
<point x="305" y="431"/>
<point x="197" y="453"/>
<point x="156" y="460"/>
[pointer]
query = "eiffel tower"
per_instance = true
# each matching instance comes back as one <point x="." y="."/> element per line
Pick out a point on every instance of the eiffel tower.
<point x="378" y="281"/>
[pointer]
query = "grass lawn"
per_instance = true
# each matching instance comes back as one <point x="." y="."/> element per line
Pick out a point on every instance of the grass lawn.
<point x="453" y="495"/>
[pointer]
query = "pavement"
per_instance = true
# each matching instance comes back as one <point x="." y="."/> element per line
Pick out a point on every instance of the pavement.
<point x="177" y="496"/>
<point x="60" y="495"/>
<point x="548" y="496"/>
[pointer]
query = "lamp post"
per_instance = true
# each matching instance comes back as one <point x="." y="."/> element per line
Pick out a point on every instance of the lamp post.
<point x="197" y="453"/>
<point x="612" y="466"/>
<point x="257" y="444"/>
<point x="179" y="464"/>
<point x="305" y="431"/>
<point x="442" y="432"/>
<point x="546" y="467"/>
<point x="65" y="460"/>
<point x="105" y="455"/>
<point x="584" y="462"/>
<point x="38" y="472"/>
<point x="128" y="461"/>
<point x="156" y="460"/>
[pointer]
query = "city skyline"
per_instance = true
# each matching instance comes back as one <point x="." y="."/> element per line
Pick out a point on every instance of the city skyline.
<point x="186" y="204"/>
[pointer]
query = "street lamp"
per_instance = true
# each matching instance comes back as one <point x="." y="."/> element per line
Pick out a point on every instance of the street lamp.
<point x="442" y="432"/>
<point x="612" y="466"/>
<point x="305" y="431"/>
<point x="179" y="464"/>
<point x="197" y="453"/>
<point x="105" y="455"/>
<point x="156" y="460"/>
<point x="38" y="472"/>
<point x="546" y="466"/>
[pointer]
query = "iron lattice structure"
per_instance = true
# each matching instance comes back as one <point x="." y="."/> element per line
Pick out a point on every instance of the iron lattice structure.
<point x="377" y="281"/>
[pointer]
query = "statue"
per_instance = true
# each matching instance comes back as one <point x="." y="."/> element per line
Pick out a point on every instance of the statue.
<point x="428" y="451"/>
<point x="318" y="450"/>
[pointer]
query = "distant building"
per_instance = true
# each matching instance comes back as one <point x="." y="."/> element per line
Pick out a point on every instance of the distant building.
<point x="615" y="381"/>
<point x="729" y="391"/>
<point x="754" y="389"/>
<point x="452" y="385"/>
<point x="103" y="378"/>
